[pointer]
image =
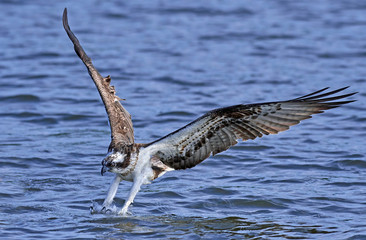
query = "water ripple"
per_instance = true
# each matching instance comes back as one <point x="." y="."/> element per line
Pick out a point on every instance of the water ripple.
<point x="174" y="61"/>
<point x="21" y="98"/>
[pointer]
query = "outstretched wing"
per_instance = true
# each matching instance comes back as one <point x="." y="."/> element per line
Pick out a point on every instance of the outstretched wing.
<point x="219" y="129"/>
<point x="119" y="118"/>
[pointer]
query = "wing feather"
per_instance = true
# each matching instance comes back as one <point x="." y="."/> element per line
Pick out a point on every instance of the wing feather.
<point x="220" y="129"/>
<point x="119" y="119"/>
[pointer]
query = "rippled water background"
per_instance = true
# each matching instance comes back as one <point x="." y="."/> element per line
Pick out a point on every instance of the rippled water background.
<point x="173" y="61"/>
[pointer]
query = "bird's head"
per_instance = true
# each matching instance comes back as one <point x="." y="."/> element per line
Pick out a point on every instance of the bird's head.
<point x="116" y="162"/>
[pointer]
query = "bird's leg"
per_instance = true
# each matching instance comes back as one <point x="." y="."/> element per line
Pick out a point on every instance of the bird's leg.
<point x="111" y="192"/>
<point x="134" y="190"/>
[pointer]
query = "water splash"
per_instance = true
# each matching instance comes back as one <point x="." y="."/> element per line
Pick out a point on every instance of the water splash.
<point x="97" y="208"/>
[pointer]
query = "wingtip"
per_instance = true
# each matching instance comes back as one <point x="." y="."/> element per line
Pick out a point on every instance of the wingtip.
<point x="64" y="15"/>
<point x="64" y="19"/>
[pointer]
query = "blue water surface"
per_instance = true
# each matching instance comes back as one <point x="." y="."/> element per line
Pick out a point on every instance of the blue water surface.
<point x="173" y="61"/>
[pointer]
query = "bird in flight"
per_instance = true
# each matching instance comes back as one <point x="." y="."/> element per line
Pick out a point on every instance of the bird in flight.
<point x="212" y="133"/>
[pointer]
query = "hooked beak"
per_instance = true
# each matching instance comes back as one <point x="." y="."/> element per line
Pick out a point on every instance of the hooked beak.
<point x="103" y="170"/>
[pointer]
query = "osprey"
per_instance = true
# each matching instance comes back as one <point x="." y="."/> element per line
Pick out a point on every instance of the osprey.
<point x="212" y="133"/>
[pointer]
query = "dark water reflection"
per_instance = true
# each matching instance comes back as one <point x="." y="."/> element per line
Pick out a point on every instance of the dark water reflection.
<point x="198" y="228"/>
<point x="173" y="61"/>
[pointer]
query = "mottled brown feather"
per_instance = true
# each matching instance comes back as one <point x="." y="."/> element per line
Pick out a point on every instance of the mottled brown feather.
<point x="212" y="133"/>
<point x="219" y="129"/>
<point x="122" y="136"/>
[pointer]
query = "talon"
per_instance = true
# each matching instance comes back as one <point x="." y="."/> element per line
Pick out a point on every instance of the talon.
<point x="91" y="209"/>
<point x="103" y="170"/>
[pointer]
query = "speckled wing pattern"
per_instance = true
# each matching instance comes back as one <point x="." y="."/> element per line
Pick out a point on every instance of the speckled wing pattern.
<point x="120" y="120"/>
<point x="220" y="129"/>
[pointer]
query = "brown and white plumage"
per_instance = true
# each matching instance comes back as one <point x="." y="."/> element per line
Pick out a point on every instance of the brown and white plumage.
<point x="214" y="132"/>
<point x="220" y="129"/>
<point x="119" y="118"/>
